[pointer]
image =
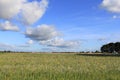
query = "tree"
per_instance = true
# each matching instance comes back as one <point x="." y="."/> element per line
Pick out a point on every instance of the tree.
<point x="117" y="47"/>
<point x="111" y="47"/>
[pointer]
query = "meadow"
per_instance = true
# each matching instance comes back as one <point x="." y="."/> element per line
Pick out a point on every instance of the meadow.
<point x="31" y="66"/>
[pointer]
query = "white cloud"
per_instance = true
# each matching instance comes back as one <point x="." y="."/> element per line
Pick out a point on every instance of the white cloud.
<point x="41" y="32"/>
<point x="111" y="5"/>
<point x="27" y="44"/>
<point x="60" y="43"/>
<point x="116" y="17"/>
<point x="7" y="26"/>
<point x="4" y="46"/>
<point x="28" y="12"/>
<point x="30" y="42"/>
<point x="32" y="11"/>
<point x="10" y="8"/>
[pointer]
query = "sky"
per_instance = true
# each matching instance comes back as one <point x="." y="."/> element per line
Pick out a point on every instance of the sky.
<point x="58" y="25"/>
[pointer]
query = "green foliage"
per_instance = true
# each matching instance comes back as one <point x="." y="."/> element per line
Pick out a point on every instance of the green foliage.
<point x="26" y="66"/>
<point x="111" y="47"/>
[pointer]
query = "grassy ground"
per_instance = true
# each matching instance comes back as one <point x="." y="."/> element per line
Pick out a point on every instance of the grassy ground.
<point x="26" y="66"/>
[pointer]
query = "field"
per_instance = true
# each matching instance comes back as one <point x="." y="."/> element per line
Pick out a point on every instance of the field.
<point x="29" y="66"/>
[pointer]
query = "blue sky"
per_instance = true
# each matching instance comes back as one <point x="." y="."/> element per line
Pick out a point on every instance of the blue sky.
<point x="58" y="25"/>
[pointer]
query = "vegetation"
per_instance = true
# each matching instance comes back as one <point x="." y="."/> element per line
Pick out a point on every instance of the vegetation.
<point x="29" y="66"/>
<point x="111" y="47"/>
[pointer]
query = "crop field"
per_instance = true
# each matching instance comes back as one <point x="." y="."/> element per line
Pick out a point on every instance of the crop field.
<point x="30" y="66"/>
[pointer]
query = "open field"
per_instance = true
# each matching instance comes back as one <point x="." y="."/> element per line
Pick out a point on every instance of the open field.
<point x="28" y="66"/>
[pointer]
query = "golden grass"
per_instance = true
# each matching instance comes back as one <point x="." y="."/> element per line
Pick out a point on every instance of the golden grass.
<point x="28" y="66"/>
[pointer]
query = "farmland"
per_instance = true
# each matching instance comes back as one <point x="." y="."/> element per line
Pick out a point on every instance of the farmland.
<point x="30" y="66"/>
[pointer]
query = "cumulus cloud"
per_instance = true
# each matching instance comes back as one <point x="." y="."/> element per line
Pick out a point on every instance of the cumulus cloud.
<point x="33" y="11"/>
<point x="27" y="12"/>
<point x="111" y="5"/>
<point x="10" y="8"/>
<point x="30" y="42"/>
<point x="7" y="26"/>
<point x="27" y="44"/>
<point x="41" y="32"/>
<point x="60" y="43"/>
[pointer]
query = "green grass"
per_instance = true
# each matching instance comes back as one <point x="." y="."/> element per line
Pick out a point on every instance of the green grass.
<point x="26" y="66"/>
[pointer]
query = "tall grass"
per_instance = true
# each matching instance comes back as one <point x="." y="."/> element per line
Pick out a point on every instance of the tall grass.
<point x="26" y="66"/>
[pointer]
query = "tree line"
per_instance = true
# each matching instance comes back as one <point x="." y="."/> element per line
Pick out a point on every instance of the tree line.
<point x="111" y="48"/>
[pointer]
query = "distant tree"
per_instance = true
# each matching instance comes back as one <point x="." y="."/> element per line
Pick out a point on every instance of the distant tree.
<point x="117" y="47"/>
<point x="111" y="47"/>
<point x="104" y="48"/>
<point x="97" y="51"/>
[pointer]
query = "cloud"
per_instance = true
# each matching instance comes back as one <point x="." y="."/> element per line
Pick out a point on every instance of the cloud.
<point x="27" y="12"/>
<point x="4" y="46"/>
<point x="111" y="5"/>
<point x="30" y="42"/>
<point x="10" y="8"/>
<point x="116" y="17"/>
<point x="7" y="26"/>
<point x="41" y="32"/>
<point x="32" y="11"/>
<point x="27" y="44"/>
<point x="60" y="43"/>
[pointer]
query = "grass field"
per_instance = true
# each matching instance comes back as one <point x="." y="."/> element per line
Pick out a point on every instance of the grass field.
<point x="28" y="66"/>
